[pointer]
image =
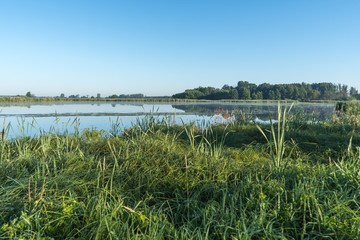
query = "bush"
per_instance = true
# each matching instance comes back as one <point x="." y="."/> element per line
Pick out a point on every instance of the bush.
<point x="348" y="107"/>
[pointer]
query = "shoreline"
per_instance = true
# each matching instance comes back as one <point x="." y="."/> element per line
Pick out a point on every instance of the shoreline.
<point x="169" y="100"/>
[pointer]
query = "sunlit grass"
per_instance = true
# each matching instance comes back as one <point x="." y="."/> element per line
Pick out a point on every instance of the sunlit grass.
<point x="163" y="181"/>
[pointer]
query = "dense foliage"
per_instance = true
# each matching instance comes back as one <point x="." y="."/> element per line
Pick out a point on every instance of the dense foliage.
<point x="162" y="181"/>
<point x="349" y="107"/>
<point x="246" y="91"/>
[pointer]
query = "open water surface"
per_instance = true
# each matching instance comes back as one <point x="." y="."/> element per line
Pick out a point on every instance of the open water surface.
<point x="29" y="119"/>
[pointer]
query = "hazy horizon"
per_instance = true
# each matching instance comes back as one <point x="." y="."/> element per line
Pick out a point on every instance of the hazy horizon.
<point x="159" y="48"/>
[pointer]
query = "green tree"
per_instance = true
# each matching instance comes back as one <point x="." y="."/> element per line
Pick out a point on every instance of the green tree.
<point x="353" y="92"/>
<point x="259" y="95"/>
<point x="277" y="94"/>
<point x="244" y="93"/>
<point x="226" y="87"/>
<point x="234" y="94"/>
<point x="271" y="95"/>
<point x="315" y="95"/>
<point x="28" y="94"/>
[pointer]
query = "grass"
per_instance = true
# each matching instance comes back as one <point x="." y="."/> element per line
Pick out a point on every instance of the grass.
<point x="349" y="107"/>
<point x="163" y="181"/>
<point x="277" y="140"/>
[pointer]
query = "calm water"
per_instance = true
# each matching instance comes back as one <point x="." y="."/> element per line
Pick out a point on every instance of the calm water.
<point x="33" y="118"/>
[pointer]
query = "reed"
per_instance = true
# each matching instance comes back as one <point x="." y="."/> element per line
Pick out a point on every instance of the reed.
<point x="277" y="142"/>
<point x="164" y="181"/>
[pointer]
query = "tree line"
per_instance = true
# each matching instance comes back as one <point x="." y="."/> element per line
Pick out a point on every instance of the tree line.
<point x="294" y="91"/>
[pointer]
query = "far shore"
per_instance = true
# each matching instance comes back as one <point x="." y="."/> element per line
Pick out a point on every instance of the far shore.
<point x="19" y="99"/>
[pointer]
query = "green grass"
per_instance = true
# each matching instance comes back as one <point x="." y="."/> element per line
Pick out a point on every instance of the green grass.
<point x="158" y="181"/>
<point x="348" y="107"/>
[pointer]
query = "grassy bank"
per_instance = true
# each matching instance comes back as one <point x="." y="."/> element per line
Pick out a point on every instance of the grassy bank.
<point x="23" y="99"/>
<point x="159" y="181"/>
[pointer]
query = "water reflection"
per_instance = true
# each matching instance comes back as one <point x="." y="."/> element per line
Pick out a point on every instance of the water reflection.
<point x="258" y="110"/>
<point x="100" y="115"/>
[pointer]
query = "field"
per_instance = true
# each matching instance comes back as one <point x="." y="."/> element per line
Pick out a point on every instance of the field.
<point x="294" y="179"/>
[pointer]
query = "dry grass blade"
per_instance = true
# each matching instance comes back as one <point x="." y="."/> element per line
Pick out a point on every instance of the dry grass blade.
<point x="43" y="188"/>
<point x="35" y="190"/>
<point x="129" y="209"/>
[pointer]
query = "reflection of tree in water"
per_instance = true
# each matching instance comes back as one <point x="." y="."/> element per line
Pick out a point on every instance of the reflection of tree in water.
<point x="261" y="111"/>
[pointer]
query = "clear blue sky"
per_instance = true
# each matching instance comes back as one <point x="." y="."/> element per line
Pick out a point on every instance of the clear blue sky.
<point x="164" y="47"/>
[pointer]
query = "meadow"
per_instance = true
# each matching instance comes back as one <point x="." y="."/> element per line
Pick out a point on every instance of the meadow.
<point x="297" y="178"/>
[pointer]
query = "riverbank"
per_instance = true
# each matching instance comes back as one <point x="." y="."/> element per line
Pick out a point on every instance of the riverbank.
<point x="22" y="99"/>
<point x="161" y="181"/>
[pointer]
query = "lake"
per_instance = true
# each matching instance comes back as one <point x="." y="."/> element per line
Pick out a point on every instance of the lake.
<point x="25" y="119"/>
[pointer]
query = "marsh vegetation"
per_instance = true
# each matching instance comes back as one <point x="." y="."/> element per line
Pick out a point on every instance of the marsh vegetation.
<point x="158" y="180"/>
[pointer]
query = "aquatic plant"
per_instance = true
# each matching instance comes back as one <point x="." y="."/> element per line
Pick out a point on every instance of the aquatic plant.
<point x="276" y="141"/>
<point x="164" y="181"/>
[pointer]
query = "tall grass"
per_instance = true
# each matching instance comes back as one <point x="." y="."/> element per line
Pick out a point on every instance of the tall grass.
<point x="276" y="141"/>
<point x="165" y="181"/>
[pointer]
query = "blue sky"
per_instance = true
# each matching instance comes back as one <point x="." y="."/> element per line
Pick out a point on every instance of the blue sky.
<point x="162" y="47"/>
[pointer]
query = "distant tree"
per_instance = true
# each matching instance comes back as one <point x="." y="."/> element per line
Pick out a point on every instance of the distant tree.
<point x="344" y="89"/>
<point x="271" y="95"/>
<point x="62" y="95"/>
<point x="301" y="94"/>
<point x="264" y="88"/>
<point x="193" y="94"/>
<point x="277" y="94"/>
<point x="294" y="91"/>
<point x="244" y="93"/>
<point x="136" y="95"/>
<point x="219" y="94"/>
<point x="234" y="94"/>
<point x="243" y="84"/>
<point x="257" y="95"/>
<point x="28" y="94"/>
<point x="226" y="87"/>
<point x="353" y="92"/>
<point x="315" y="94"/>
